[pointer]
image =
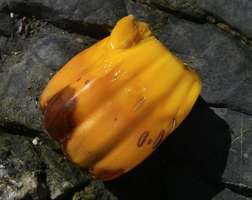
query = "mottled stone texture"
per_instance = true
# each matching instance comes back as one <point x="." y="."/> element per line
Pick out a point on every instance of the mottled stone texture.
<point x="35" y="170"/>
<point x="208" y="157"/>
<point x="23" y="81"/>
<point x="234" y="13"/>
<point x="239" y="166"/>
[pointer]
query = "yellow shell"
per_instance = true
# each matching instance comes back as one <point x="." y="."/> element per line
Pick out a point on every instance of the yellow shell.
<point x="112" y="104"/>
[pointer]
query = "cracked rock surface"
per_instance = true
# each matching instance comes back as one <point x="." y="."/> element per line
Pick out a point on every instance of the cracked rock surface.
<point x="208" y="157"/>
<point x="34" y="170"/>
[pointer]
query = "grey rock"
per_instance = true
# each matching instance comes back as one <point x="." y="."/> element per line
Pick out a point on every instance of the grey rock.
<point x="229" y="195"/>
<point x="35" y="170"/>
<point x="236" y="14"/>
<point x="188" y="9"/>
<point x="6" y="25"/>
<point x="22" y="82"/>
<point x="20" y="171"/>
<point x="239" y="164"/>
<point x="3" y="5"/>
<point x="89" y="17"/>
<point x="61" y="175"/>
<point x="3" y="41"/>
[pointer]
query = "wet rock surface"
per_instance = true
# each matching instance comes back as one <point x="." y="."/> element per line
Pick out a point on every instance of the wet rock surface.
<point x="208" y="157"/>
<point x="33" y="168"/>
<point x="238" y="174"/>
<point x="6" y="24"/>
<point x="40" y="57"/>
<point x="230" y="14"/>
<point x="91" y="18"/>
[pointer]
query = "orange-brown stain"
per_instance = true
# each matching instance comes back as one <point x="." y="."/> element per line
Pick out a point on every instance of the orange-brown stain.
<point x="58" y="114"/>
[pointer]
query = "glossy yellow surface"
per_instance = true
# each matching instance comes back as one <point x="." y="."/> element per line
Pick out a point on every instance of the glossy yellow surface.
<point x="128" y="93"/>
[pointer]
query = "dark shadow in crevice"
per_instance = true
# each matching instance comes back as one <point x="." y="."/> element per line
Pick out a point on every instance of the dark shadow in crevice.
<point x="188" y="165"/>
<point x="199" y="18"/>
<point x="239" y="189"/>
<point x="19" y="129"/>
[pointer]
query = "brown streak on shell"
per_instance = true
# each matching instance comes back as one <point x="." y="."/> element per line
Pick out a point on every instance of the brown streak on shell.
<point x="143" y="138"/>
<point x="58" y="114"/>
<point x="159" y="139"/>
<point x="139" y="103"/>
<point x="87" y="81"/>
<point x="78" y="79"/>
